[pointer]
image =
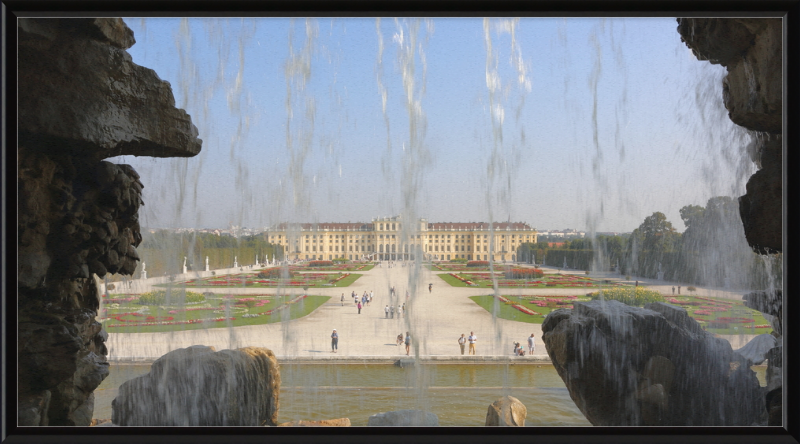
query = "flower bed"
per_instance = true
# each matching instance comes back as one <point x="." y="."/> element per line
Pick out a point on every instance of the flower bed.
<point x="478" y="264"/>
<point x="320" y="264"/>
<point x="523" y="273"/>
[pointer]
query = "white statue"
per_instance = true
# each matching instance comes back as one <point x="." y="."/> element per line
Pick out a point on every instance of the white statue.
<point x="206" y="263"/>
<point x="144" y="272"/>
<point x="236" y="262"/>
<point x="184" y="265"/>
<point x="256" y="260"/>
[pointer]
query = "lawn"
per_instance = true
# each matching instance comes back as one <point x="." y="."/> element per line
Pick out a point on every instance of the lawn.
<point x="484" y="279"/>
<point x="123" y="314"/>
<point x="720" y="316"/>
<point x="251" y="280"/>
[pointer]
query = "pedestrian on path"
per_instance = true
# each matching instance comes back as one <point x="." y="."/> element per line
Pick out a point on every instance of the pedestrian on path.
<point x="462" y="342"/>
<point x="404" y="307"/>
<point x="359" y="307"/>
<point x="472" y="340"/>
<point x="531" y="345"/>
<point x="430" y="288"/>
<point x="673" y="290"/>
<point x="334" y="341"/>
<point x="391" y="312"/>
<point x="399" y="339"/>
<point x="386" y="310"/>
<point x="679" y="289"/>
<point x="408" y="343"/>
<point x="342" y="299"/>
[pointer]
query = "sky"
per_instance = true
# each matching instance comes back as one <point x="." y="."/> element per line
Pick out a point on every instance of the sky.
<point x="582" y="123"/>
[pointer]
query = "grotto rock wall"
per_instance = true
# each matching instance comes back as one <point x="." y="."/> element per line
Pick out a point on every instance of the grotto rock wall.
<point x="81" y="100"/>
<point x="751" y="50"/>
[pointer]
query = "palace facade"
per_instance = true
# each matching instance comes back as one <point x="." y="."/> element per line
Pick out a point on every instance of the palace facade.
<point x="391" y="239"/>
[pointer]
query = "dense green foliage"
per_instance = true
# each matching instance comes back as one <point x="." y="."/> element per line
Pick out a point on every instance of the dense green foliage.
<point x="637" y="296"/>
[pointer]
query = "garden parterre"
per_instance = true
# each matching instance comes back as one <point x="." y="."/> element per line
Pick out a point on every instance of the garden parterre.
<point x="484" y="279"/>
<point x="124" y="314"/>
<point x="297" y="279"/>
<point x="718" y="316"/>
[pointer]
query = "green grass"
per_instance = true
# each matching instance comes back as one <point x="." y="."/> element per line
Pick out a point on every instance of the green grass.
<point x="347" y="281"/>
<point x="451" y="280"/>
<point x="297" y="310"/>
<point x="511" y="313"/>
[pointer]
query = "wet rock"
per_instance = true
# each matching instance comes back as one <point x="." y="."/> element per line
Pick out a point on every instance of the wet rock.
<point x="341" y="422"/>
<point x="751" y="50"/>
<point x="649" y="366"/>
<point x="197" y="386"/>
<point x="506" y="411"/>
<point x="81" y="99"/>
<point x="82" y="92"/>
<point x="756" y="350"/>
<point x="413" y="418"/>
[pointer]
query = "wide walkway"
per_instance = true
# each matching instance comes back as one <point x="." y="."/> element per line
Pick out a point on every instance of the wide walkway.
<point x="435" y="320"/>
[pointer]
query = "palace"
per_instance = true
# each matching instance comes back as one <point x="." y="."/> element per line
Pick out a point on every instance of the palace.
<point x="390" y="239"/>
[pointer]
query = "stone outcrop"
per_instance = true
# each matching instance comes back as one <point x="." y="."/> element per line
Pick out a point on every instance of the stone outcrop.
<point x="628" y="366"/>
<point x="81" y="100"/>
<point x="756" y="350"/>
<point x="340" y="422"/>
<point x="197" y="386"/>
<point x="404" y="418"/>
<point x="506" y="411"/>
<point x="750" y="49"/>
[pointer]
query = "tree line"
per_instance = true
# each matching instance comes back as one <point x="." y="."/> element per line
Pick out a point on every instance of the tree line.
<point x="711" y="251"/>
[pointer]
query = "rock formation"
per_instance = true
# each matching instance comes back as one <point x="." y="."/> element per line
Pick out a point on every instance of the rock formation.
<point x="645" y="366"/>
<point x="81" y="100"/>
<point x="750" y="49"/>
<point x="407" y="418"/>
<point x="506" y="411"/>
<point x="197" y="386"/>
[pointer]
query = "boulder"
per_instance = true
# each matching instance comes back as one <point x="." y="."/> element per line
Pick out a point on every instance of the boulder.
<point x="756" y="350"/>
<point x="413" y="418"/>
<point x="341" y="422"/>
<point x="197" y="386"/>
<point x="506" y="411"/>
<point x="645" y="366"/>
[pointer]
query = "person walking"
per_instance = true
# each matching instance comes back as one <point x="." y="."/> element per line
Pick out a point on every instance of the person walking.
<point x="334" y="341"/>
<point x="472" y="340"/>
<point x="404" y="307"/>
<point x="673" y="290"/>
<point x="386" y="310"/>
<point x="462" y="342"/>
<point x="531" y="345"/>
<point x="391" y="312"/>
<point x="342" y="299"/>
<point x="359" y="307"/>
<point x="408" y="343"/>
<point x="679" y="289"/>
<point x="399" y="339"/>
<point x="430" y="288"/>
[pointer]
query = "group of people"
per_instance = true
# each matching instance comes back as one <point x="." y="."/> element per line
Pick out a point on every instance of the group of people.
<point x="361" y="302"/>
<point x="519" y="351"/>
<point x="390" y="310"/>
<point x="406" y="341"/>
<point x="472" y="339"/>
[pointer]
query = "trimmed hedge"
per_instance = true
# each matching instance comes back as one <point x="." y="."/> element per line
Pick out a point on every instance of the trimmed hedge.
<point x="276" y="273"/>
<point x="320" y="263"/>
<point x="478" y="264"/>
<point x="523" y="273"/>
<point x="637" y="296"/>
<point x="159" y="297"/>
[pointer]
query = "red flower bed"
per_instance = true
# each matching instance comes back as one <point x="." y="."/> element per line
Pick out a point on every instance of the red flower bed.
<point x="523" y="273"/>
<point x="478" y="264"/>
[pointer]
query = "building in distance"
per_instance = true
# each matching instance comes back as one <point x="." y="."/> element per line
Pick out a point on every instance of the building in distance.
<point x="389" y="238"/>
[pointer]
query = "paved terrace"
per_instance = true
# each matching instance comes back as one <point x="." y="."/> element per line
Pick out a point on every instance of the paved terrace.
<point x="435" y="321"/>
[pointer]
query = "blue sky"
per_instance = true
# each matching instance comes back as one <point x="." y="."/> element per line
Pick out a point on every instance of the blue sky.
<point x="604" y="122"/>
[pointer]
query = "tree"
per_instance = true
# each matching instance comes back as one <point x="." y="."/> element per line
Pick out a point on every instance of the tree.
<point x="691" y="214"/>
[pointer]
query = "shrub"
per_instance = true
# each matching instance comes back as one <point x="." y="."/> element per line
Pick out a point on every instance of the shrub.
<point x="691" y="289"/>
<point x="523" y="273"/>
<point x="159" y="297"/>
<point x="637" y="296"/>
<point x="110" y="287"/>
<point x="341" y="260"/>
<point x="320" y="263"/>
<point x="478" y="264"/>
<point x="587" y="272"/>
<point x="276" y="273"/>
